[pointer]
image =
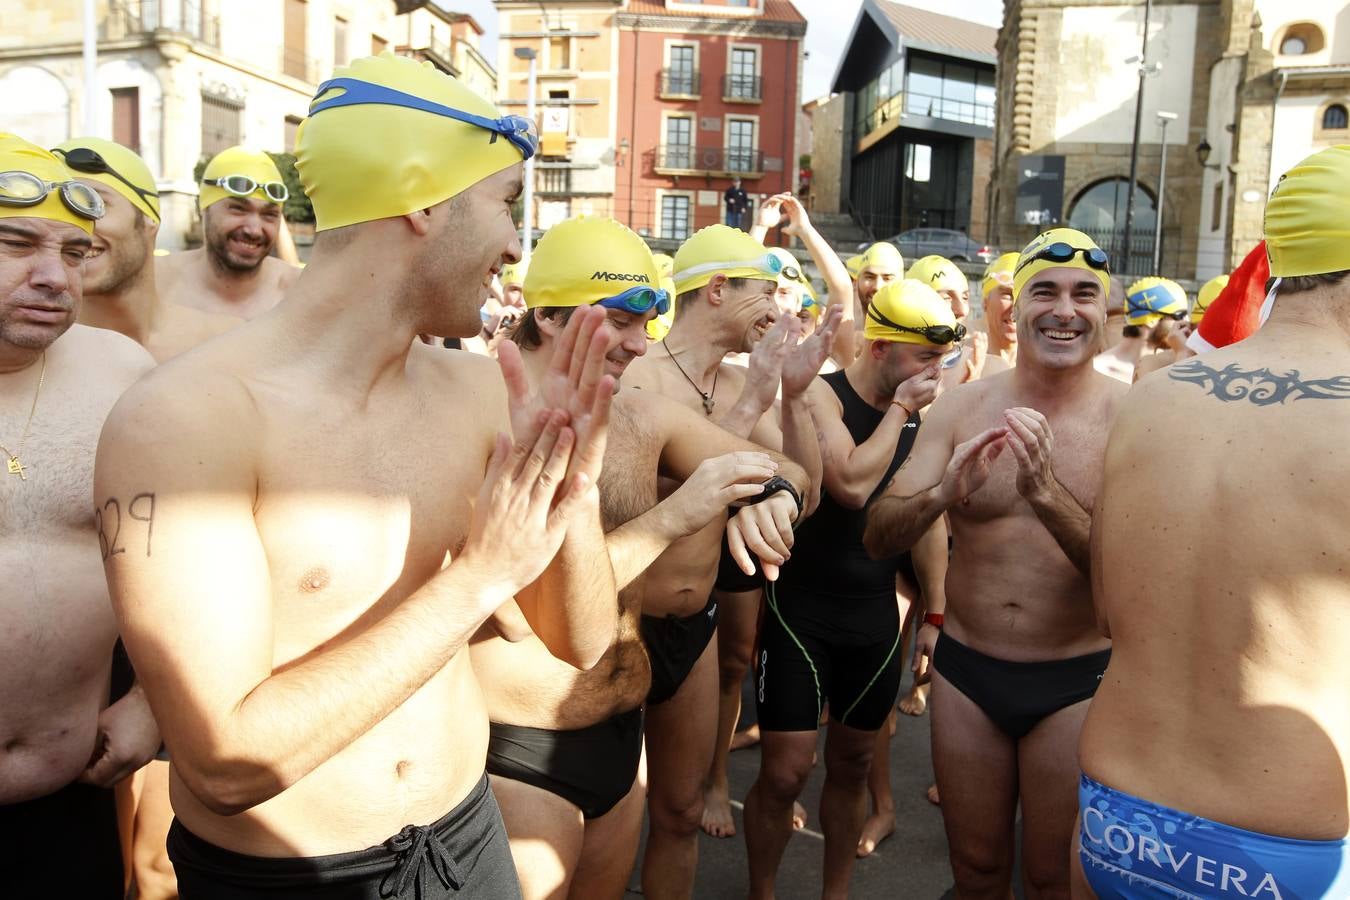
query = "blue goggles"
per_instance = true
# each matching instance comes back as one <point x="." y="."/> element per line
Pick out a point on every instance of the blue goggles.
<point x="639" y="300"/>
<point x="520" y="131"/>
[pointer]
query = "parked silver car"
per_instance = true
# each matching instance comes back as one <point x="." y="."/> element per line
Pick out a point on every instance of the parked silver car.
<point x="954" y="245"/>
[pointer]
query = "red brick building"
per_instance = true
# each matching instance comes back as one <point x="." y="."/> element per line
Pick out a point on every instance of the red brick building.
<point x="707" y="92"/>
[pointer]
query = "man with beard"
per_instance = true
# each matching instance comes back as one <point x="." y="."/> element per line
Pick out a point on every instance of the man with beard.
<point x="61" y="743"/>
<point x="726" y="282"/>
<point x="234" y="273"/>
<point x="566" y="744"/>
<point x="831" y="629"/>
<point x="119" y="274"/>
<point x="1015" y="667"/>
<point x="1154" y="310"/>
<point x="1215" y="756"/>
<point x="316" y="507"/>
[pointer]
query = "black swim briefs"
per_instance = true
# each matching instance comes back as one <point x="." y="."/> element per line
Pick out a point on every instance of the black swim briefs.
<point x="462" y="855"/>
<point x="64" y="844"/>
<point x="1017" y="695"/>
<point x="674" y="645"/>
<point x="592" y="768"/>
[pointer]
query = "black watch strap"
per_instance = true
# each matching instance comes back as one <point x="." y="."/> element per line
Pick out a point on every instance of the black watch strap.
<point x="775" y="485"/>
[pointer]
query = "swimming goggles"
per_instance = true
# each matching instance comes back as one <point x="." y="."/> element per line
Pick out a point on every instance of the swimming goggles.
<point x="933" y="334"/>
<point x="243" y="186"/>
<point x="519" y="130"/>
<point x="767" y="264"/>
<point x="91" y="162"/>
<point x="639" y="300"/>
<point x="1061" y="252"/>
<point x="19" y="188"/>
<point x="1135" y="311"/>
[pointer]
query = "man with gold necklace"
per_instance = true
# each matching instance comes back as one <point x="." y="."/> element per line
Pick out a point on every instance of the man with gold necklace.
<point x="62" y="744"/>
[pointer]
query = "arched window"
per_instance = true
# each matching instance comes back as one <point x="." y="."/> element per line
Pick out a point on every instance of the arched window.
<point x="1335" y="118"/>
<point x="1101" y="208"/>
<point x="1300" y="38"/>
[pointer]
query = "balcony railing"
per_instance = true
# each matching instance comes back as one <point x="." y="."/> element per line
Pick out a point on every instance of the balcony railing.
<point x="680" y="159"/>
<point x="129" y="18"/>
<point x="679" y="83"/>
<point x="297" y="65"/>
<point x="554" y="182"/>
<point x="741" y="88"/>
<point x="969" y="112"/>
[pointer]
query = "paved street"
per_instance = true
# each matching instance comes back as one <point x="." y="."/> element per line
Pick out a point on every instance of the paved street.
<point x="911" y="864"/>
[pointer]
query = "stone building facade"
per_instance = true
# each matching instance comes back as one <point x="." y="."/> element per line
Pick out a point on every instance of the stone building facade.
<point x="1253" y="85"/>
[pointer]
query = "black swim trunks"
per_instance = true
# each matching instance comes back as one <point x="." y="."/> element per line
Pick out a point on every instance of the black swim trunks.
<point x="848" y="654"/>
<point x="462" y="855"/>
<point x="64" y="844"/>
<point x="674" y="645"/>
<point x="1016" y="696"/>
<point x="592" y="768"/>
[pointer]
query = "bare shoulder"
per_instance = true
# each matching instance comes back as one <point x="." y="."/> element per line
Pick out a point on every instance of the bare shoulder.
<point x="958" y="403"/>
<point x="112" y="358"/>
<point x="283" y="272"/>
<point x="460" y="384"/>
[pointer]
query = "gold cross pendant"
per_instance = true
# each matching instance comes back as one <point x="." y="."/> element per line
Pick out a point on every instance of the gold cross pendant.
<point x="17" y="468"/>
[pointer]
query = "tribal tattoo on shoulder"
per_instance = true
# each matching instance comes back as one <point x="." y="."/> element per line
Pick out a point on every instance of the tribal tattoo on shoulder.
<point x="1259" y="386"/>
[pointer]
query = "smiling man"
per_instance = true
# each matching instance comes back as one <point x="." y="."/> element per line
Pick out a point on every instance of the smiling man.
<point x="234" y="273"/>
<point x="1022" y="656"/>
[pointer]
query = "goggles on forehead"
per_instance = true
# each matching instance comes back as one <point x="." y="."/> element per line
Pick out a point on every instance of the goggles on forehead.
<point x="520" y="131"/>
<point x="1061" y="252"/>
<point x="91" y="162"/>
<point x="1003" y="277"/>
<point x="933" y="334"/>
<point x="767" y="264"/>
<point x="21" y="189"/>
<point x="639" y="300"/>
<point x="243" y="186"/>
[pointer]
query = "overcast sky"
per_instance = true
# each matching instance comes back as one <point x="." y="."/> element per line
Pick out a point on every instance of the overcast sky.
<point x="829" y="23"/>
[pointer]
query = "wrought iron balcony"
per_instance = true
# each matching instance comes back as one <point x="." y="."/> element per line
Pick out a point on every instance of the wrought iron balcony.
<point x="683" y="159"/>
<point x="679" y="83"/>
<point x="741" y="88"/>
<point x="129" y="18"/>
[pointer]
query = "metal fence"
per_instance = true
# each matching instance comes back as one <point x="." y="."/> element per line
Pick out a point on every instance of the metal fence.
<point x="1139" y="260"/>
<point x="742" y="87"/>
<point x="679" y="82"/>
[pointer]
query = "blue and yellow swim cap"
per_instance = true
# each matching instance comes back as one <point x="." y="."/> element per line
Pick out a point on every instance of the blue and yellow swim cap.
<point x="387" y="156"/>
<point x="1149" y="299"/>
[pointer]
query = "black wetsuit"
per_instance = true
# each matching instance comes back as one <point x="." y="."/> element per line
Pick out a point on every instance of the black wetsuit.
<point x="831" y="626"/>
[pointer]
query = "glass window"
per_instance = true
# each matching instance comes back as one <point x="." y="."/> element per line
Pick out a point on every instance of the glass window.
<point x="1101" y="208"/>
<point x="1335" y="118"/>
<point x="918" y="162"/>
<point x="675" y="217"/>
<point x="679" y="142"/>
<point x="742" y="80"/>
<point x="681" y="79"/>
<point x="740" y="145"/>
<point x="924" y="78"/>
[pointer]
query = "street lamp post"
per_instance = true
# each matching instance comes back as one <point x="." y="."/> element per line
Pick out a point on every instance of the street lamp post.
<point x="1144" y="71"/>
<point x="527" y="238"/>
<point x="90" y="68"/>
<point x="1163" y="119"/>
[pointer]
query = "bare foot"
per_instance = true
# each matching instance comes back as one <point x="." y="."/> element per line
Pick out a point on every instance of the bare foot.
<point x="915" y="703"/>
<point x="747" y="738"/>
<point x="717" y="819"/>
<point x="876" y="829"/>
<point x="798" y="816"/>
<point x="933" y="797"/>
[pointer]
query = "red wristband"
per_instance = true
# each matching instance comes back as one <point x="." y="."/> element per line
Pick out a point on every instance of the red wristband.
<point x="934" y="619"/>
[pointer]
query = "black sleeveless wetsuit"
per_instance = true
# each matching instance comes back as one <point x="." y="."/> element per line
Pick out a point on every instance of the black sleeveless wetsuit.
<point x="831" y="626"/>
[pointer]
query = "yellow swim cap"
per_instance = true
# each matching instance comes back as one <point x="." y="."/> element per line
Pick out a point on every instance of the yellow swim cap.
<point x="791" y="262"/>
<point x="912" y="304"/>
<point x="1000" y="271"/>
<point x="237" y="161"/>
<point x="1206" y="296"/>
<point x="378" y="159"/>
<point x="585" y="260"/>
<point x="18" y="155"/>
<point x="1306" y="228"/>
<point x="1149" y="299"/>
<point x="721" y="250"/>
<point x="1028" y="264"/>
<point x="885" y="256"/>
<point x="116" y="166"/>
<point x="939" y="273"/>
<point x="854" y="265"/>
<point x="658" y="328"/>
<point x="513" y="273"/>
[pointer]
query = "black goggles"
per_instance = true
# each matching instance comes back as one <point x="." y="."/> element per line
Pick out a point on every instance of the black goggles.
<point x="933" y="334"/>
<point x="1135" y="312"/>
<point x="18" y="188"/>
<point x="1061" y="252"/>
<point x="243" y="186"/>
<point x="91" y="162"/>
